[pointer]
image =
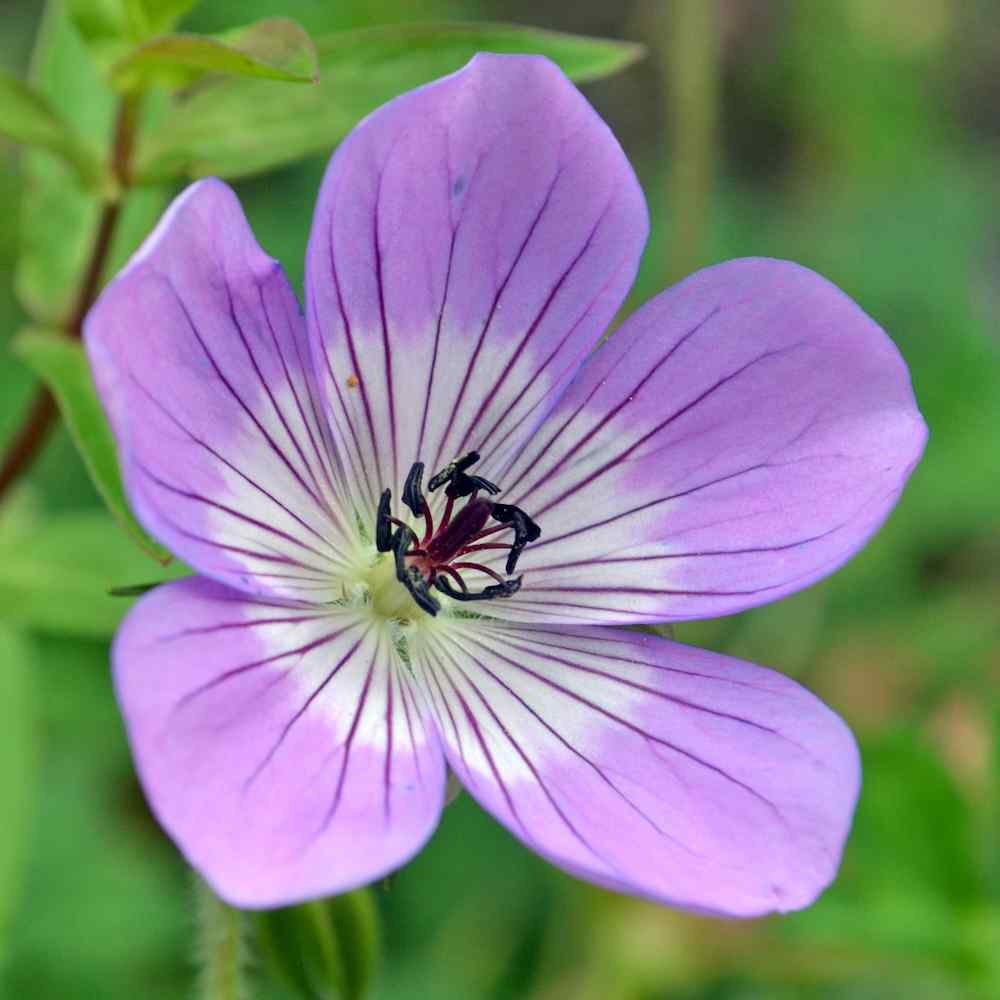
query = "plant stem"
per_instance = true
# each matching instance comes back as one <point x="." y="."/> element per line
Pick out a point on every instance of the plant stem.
<point x="30" y="437"/>
<point x="221" y="948"/>
<point x="689" y="36"/>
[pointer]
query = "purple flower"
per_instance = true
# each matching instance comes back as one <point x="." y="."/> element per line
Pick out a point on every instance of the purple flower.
<point x="422" y="514"/>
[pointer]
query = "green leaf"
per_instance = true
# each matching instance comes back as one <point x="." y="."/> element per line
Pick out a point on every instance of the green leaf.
<point x="62" y="364"/>
<point x="59" y="219"/>
<point x="27" y="117"/>
<point x="103" y="26"/>
<point x="665" y="630"/>
<point x="153" y="17"/>
<point x="93" y="840"/>
<point x="98" y="20"/>
<point x="326" y="948"/>
<point x="18" y="760"/>
<point x="273" y="49"/>
<point x="914" y="826"/>
<point x="235" y="127"/>
<point x="56" y="572"/>
<point x="109" y="28"/>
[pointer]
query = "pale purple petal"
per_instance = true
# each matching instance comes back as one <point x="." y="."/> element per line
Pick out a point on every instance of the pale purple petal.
<point x="471" y="242"/>
<point x="200" y="355"/>
<point x="282" y="747"/>
<point x="644" y="765"/>
<point x="738" y="438"/>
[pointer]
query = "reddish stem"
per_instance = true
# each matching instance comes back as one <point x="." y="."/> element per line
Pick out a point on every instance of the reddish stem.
<point x="481" y="568"/>
<point x="446" y="517"/>
<point x="453" y="573"/>
<point x="428" y="524"/>
<point x="29" y="439"/>
<point x="486" y="532"/>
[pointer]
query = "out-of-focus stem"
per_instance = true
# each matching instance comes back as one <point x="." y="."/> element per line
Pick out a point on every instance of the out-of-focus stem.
<point x="28" y="438"/>
<point x="42" y="413"/>
<point x="221" y="948"/>
<point x="689" y="40"/>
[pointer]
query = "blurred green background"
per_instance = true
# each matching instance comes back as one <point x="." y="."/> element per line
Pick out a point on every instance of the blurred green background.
<point x="860" y="138"/>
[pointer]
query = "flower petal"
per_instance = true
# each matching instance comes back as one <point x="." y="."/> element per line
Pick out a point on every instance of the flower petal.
<point x="738" y="438"/>
<point x="644" y="765"/>
<point x="282" y="747"/>
<point x="471" y="241"/>
<point x="199" y="352"/>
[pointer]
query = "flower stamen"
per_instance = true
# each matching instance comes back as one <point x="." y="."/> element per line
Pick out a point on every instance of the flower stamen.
<point x="431" y="561"/>
<point x="478" y="566"/>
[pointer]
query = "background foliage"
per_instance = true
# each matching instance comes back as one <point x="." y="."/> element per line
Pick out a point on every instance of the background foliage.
<point x="858" y="138"/>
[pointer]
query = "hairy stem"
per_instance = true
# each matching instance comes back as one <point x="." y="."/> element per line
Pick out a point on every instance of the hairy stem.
<point x="690" y="38"/>
<point x="42" y="413"/>
<point x="222" y="949"/>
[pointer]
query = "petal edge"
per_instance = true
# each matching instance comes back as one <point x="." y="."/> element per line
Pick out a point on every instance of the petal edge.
<point x="280" y="747"/>
<point x="647" y="766"/>
<point x="200" y="357"/>
<point x="472" y="239"/>
<point x="738" y="438"/>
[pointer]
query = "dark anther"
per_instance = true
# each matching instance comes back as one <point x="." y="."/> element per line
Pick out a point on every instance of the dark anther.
<point x="451" y="470"/>
<point x="383" y="526"/>
<point x="401" y="541"/>
<point x="439" y="560"/>
<point x="410" y="576"/>
<point x="413" y="497"/>
<point x="417" y="586"/>
<point x="478" y="483"/>
<point x="505" y="589"/>
<point x="525" y="530"/>
<point x="463" y="485"/>
<point x="459" y="483"/>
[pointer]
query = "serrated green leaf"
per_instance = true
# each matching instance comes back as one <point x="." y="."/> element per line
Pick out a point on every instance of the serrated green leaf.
<point x="237" y="127"/>
<point x="62" y="364"/>
<point x="273" y="49"/>
<point x="326" y="948"/>
<point x="18" y="760"/>
<point x="56" y="572"/>
<point x="27" y="117"/>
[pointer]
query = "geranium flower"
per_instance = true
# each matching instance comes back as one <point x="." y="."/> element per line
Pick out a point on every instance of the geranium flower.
<point x="421" y="516"/>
